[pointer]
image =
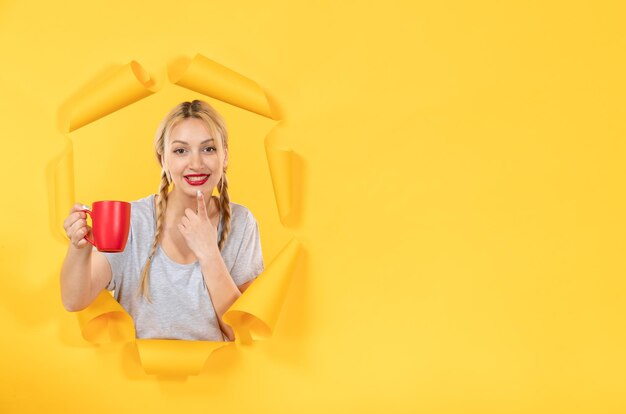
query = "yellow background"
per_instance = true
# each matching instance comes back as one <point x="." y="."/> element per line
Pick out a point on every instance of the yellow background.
<point x="461" y="181"/>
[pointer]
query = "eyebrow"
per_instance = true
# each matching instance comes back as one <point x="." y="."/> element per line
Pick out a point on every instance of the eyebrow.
<point x="186" y="143"/>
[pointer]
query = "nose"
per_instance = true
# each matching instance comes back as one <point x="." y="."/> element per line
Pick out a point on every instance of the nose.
<point x="196" y="160"/>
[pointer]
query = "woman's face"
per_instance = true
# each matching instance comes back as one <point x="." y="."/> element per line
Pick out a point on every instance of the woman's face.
<point x="192" y="158"/>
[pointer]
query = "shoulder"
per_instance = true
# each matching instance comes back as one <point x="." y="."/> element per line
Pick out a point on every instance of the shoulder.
<point x="146" y="203"/>
<point x="241" y="214"/>
<point x="142" y="210"/>
<point x="242" y="221"/>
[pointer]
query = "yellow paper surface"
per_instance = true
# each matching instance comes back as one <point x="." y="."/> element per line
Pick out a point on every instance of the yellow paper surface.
<point x="456" y="175"/>
<point x="60" y="181"/>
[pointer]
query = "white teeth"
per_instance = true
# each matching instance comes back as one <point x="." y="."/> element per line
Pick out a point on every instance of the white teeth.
<point x="197" y="178"/>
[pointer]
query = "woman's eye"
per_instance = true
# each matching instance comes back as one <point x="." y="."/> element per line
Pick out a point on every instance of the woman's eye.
<point x="210" y="149"/>
<point x="179" y="150"/>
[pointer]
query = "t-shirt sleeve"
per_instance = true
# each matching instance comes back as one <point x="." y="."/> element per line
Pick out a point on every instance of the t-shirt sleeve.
<point x="249" y="262"/>
<point x="118" y="263"/>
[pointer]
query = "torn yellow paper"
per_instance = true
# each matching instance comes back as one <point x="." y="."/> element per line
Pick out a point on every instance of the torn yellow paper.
<point x="171" y="357"/>
<point x="105" y="320"/>
<point x="255" y="313"/>
<point x="212" y="79"/>
<point x="122" y="87"/>
<point x="252" y="316"/>
<point x="281" y="170"/>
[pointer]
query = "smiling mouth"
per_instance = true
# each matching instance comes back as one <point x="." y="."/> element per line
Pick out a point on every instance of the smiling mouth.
<point x="196" y="179"/>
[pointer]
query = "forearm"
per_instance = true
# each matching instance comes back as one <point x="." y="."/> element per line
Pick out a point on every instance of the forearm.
<point x="222" y="289"/>
<point x="76" y="278"/>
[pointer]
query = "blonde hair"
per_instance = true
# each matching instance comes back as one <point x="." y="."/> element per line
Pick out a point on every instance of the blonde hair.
<point x="217" y="128"/>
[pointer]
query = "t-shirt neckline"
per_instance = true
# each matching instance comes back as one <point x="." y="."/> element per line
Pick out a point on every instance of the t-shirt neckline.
<point x="167" y="258"/>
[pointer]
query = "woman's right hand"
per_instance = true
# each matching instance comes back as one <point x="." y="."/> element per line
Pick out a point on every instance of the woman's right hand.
<point x="76" y="227"/>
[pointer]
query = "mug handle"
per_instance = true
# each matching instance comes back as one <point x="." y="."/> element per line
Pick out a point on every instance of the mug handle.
<point x="87" y="211"/>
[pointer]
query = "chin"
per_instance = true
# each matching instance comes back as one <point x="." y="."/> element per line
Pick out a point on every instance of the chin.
<point x="193" y="191"/>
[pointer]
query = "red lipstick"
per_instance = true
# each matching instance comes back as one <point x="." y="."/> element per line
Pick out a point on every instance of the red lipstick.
<point x="195" y="179"/>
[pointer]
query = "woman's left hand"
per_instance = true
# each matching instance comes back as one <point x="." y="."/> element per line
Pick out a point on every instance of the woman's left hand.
<point x="198" y="231"/>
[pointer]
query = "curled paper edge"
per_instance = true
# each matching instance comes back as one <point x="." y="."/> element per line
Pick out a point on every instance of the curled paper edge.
<point x="208" y="77"/>
<point x="169" y="357"/>
<point x="280" y="163"/>
<point x="255" y="313"/>
<point x="287" y="175"/>
<point x="105" y="320"/>
<point x="121" y="87"/>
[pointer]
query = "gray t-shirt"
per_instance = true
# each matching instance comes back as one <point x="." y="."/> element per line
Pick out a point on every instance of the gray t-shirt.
<point x="181" y="306"/>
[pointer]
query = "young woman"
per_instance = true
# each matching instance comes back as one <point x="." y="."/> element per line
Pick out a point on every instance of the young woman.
<point x="189" y="255"/>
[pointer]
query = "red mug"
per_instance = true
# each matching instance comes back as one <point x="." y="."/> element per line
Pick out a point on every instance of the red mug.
<point x="110" y="225"/>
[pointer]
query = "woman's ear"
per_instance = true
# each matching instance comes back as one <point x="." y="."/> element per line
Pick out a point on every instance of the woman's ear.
<point x="225" y="158"/>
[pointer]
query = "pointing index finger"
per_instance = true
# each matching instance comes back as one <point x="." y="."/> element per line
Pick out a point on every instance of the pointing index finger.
<point x="201" y="206"/>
